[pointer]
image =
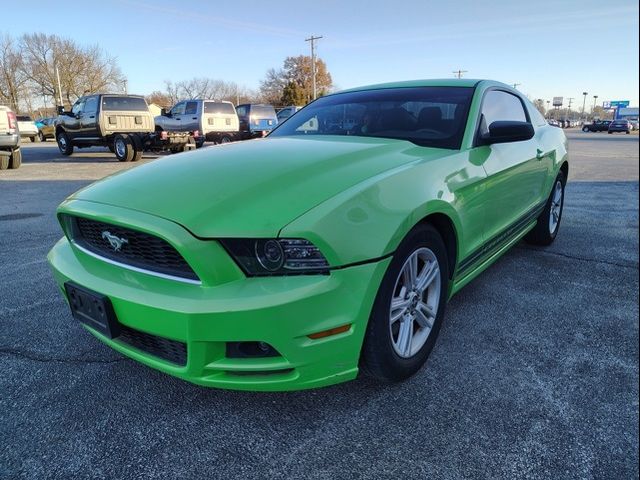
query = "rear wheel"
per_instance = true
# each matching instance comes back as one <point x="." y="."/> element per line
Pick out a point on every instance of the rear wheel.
<point x="41" y="136"/>
<point x="408" y="309"/>
<point x="225" y="139"/>
<point x="137" y="145"/>
<point x="64" y="144"/>
<point x="123" y="148"/>
<point x="545" y="231"/>
<point x="16" y="159"/>
<point x="4" y="162"/>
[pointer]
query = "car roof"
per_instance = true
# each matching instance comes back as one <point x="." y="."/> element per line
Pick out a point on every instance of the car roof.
<point x="437" y="82"/>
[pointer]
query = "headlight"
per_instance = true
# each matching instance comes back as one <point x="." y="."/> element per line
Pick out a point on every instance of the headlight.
<point x="276" y="256"/>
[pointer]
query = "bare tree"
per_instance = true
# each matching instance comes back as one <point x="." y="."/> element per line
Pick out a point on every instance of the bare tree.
<point x="207" y="88"/>
<point x="82" y="69"/>
<point x="13" y="81"/>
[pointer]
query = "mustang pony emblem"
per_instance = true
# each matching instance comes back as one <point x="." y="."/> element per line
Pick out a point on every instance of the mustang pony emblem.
<point x="115" y="242"/>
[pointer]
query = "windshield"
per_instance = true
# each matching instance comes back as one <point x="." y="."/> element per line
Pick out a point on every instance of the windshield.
<point x="426" y="116"/>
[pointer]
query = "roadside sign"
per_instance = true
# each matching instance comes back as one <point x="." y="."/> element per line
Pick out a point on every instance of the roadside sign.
<point x="615" y="104"/>
<point x="557" y="101"/>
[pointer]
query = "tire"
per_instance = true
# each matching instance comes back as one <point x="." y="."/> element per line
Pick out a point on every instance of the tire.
<point x="225" y="139"/>
<point x="610" y="133"/>
<point x="34" y="139"/>
<point x="16" y="159"/>
<point x="585" y="129"/>
<point x="42" y="137"/>
<point x="123" y="148"/>
<point x="545" y="232"/>
<point x="4" y="162"/>
<point x="137" y="145"/>
<point x="64" y="144"/>
<point x="385" y="356"/>
<point x="200" y="142"/>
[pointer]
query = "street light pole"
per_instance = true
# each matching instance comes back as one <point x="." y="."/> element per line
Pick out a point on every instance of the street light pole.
<point x="595" y="98"/>
<point x="584" y="101"/>
<point x="313" y="39"/>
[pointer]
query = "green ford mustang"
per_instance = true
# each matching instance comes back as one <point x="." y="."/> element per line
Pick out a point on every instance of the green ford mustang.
<point x="329" y="247"/>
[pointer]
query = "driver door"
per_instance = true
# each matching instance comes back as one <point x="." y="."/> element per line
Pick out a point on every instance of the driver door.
<point x="517" y="172"/>
<point x="72" y="121"/>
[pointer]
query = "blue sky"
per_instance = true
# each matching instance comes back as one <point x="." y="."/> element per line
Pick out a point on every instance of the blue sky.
<point x="552" y="48"/>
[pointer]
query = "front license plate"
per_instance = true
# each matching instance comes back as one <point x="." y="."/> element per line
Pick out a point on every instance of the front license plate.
<point x="92" y="309"/>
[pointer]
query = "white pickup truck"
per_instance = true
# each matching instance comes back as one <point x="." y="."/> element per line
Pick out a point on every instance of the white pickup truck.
<point x="10" y="153"/>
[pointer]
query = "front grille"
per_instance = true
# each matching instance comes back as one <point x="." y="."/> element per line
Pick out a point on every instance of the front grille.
<point x="130" y="247"/>
<point x="169" y="350"/>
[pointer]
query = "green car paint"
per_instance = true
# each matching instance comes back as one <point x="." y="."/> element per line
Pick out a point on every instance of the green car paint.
<point x="353" y="197"/>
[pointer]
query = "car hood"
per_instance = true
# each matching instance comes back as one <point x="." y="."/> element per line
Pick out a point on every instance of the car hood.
<point x="252" y="188"/>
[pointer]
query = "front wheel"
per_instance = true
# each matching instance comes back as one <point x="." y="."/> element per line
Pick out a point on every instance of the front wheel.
<point x="41" y="136"/>
<point x="545" y="231"/>
<point x="585" y="129"/>
<point x="409" y="307"/>
<point x="64" y="144"/>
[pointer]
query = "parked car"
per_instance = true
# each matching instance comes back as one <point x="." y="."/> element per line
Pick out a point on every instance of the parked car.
<point x="286" y="112"/>
<point x="597" y="126"/>
<point x="296" y="261"/>
<point x="634" y="124"/>
<point x="10" y="153"/>
<point x="121" y="122"/>
<point x="256" y="120"/>
<point x="46" y="128"/>
<point x="205" y="119"/>
<point x="620" y="126"/>
<point x="27" y="127"/>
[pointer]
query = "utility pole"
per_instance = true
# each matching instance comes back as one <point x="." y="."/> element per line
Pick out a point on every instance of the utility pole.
<point x="313" y="39"/>
<point x="584" y="101"/>
<point x="59" y="87"/>
<point x="595" y="98"/>
<point x="458" y="73"/>
<point x="569" y="108"/>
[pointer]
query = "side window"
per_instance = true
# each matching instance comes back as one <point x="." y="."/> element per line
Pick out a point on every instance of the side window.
<point x="536" y="117"/>
<point x="178" y="109"/>
<point x="90" y="105"/>
<point x="241" y="111"/>
<point x="501" y="106"/>
<point x="77" y="107"/>
<point x="191" y="108"/>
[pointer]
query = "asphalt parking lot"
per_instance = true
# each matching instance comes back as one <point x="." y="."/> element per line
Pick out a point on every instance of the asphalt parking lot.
<point x="535" y="373"/>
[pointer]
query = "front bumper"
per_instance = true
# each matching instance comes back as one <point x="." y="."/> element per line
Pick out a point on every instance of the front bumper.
<point x="281" y="311"/>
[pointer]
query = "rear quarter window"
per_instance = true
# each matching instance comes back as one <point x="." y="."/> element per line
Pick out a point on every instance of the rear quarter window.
<point x="24" y="118"/>
<point x="124" y="103"/>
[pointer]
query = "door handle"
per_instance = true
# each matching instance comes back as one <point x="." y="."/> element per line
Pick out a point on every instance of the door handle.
<point x="540" y="154"/>
<point x="92" y="116"/>
<point x="194" y="118"/>
<point x="177" y="118"/>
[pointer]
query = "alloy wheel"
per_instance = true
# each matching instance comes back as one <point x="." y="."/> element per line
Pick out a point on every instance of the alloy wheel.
<point x="556" y="207"/>
<point x="414" y="303"/>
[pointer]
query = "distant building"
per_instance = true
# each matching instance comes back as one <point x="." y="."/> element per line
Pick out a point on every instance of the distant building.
<point x="627" y="113"/>
<point x="155" y="109"/>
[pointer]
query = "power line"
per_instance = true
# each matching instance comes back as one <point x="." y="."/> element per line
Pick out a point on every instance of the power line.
<point x="458" y="73"/>
<point x="313" y="39"/>
<point x="515" y="85"/>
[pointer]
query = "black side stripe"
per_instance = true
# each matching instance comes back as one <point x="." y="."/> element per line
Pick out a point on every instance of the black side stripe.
<point x="493" y="245"/>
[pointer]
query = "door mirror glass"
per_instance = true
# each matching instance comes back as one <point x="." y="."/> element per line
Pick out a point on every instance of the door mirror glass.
<point x="506" y="132"/>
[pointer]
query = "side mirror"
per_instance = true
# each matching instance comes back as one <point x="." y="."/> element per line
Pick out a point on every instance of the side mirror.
<point x="60" y="109"/>
<point x="165" y="113"/>
<point x="506" y="132"/>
